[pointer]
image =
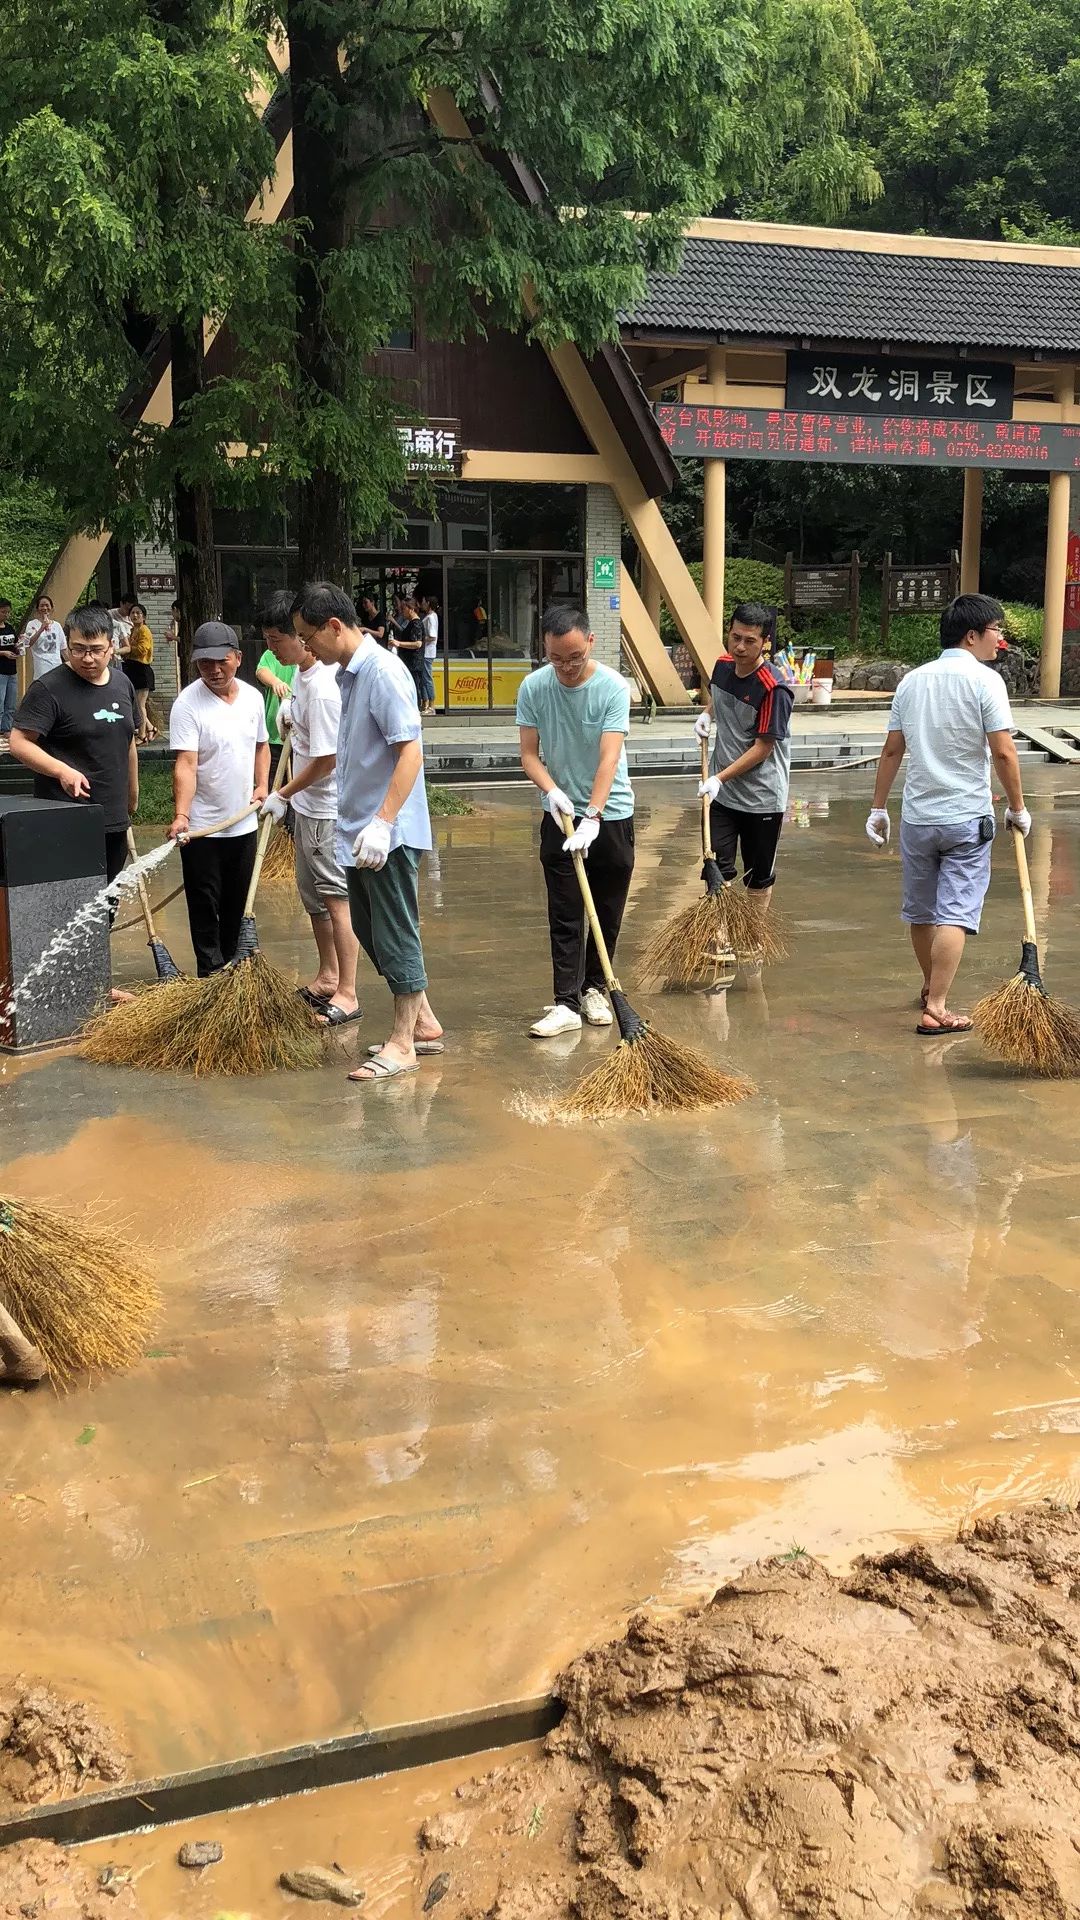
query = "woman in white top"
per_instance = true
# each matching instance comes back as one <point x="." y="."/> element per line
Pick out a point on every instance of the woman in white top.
<point x="430" y="610"/>
<point x="44" y="636"/>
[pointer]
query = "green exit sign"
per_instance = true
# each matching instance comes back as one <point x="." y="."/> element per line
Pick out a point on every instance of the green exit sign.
<point x="603" y="570"/>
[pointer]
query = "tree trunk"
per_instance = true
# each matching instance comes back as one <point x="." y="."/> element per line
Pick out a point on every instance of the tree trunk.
<point x="319" y="199"/>
<point x="196" y="570"/>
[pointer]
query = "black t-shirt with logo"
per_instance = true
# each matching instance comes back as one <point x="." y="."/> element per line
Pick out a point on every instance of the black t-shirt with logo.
<point x="9" y="649"/>
<point x="89" y="728"/>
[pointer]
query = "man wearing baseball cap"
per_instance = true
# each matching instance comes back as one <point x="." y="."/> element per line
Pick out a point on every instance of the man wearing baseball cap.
<point x="217" y="730"/>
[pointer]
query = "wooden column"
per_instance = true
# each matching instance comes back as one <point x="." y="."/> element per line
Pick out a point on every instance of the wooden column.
<point x="971" y="542"/>
<point x="650" y="592"/>
<point x="1057" y="559"/>
<point x="715" y="488"/>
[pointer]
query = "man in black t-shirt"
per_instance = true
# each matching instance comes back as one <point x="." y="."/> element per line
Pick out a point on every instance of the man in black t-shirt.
<point x="9" y="667"/>
<point x="75" y="728"/>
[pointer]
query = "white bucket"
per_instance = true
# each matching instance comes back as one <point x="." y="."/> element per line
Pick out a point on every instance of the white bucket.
<point x="821" y="693"/>
<point x="802" y="693"/>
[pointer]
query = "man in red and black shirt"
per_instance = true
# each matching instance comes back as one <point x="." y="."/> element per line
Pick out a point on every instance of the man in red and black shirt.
<point x="751" y="757"/>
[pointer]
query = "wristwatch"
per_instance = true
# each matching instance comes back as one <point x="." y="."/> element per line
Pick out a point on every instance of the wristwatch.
<point x="594" y="813"/>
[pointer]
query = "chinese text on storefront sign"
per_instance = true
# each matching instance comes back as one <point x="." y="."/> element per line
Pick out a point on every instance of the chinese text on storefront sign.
<point x="432" y="448"/>
<point x="829" y="381"/>
<point x="907" y="440"/>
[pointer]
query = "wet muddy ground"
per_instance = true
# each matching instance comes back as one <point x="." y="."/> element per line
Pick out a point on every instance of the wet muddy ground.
<point x="441" y="1397"/>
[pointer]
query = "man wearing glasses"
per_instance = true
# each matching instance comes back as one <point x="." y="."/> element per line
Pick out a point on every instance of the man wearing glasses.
<point x="952" y="719"/>
<point x="75" y="729"/>
<point x="573" y="717"/>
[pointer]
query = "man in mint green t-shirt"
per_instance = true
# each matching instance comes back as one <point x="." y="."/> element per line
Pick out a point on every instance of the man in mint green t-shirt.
<point x="574" y="716"/>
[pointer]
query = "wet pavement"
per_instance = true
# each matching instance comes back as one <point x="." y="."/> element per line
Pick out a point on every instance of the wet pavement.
<point x="442" y="1395"/>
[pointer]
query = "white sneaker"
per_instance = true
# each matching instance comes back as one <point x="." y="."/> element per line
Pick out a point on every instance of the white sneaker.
<point x="555" y="1020"/>
<point x="595" y="1008"/>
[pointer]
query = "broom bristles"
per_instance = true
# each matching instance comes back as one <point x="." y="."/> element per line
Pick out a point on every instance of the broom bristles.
<point x="649" y="1074"/>
<point x="691" y="949"/>
<point x="280" y="861"/>
<point x="247" y="1019"/>
<point x="83" y="1298"/>
<point x="1026" y="1028"/>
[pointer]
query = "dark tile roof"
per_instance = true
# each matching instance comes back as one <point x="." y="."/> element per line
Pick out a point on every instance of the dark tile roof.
<point x="769" y="290"/>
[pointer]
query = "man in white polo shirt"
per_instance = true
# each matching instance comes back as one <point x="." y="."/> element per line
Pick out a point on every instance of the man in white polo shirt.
<point x="952" y="718"/>
<point x="311" y="718"/>
<point x="217" y="729"/>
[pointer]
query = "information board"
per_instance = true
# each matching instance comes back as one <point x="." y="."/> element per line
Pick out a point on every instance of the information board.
<point x="857" y="439"/>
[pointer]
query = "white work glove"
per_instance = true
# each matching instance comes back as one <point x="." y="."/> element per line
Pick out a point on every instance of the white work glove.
<point x="273" y="807"/>
<point x="703" y="725"/>
<point x="1019" y="818"/>
<point x="582" y="837"/>
<point x="710" y="788"/>
<point x="284" y="713"/>
<point x="557" y="804"/>
<point x="371" y="848"/>
<point x="878" y="826"/>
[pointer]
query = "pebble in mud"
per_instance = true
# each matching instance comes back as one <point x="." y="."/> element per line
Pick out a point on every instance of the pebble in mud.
<point x="200" y="1853"/>
<point x="321" y="1883"/>
<point x="439" y="1887"/>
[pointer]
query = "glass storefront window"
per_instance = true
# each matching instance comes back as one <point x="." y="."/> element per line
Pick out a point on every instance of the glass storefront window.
<point x="537" y="519"/>
<point x="256" y="526"/>
<point x="563" y="583"/>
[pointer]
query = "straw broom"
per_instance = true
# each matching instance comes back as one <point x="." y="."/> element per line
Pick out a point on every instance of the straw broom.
<point x="20" y="1362"/>
<point x="693" y="948"/>
<point x="647" y="1071"/>
<point x="81" y="1298"/>
<point x="1020" y="1022"/>
<point x="246" y="1019"/>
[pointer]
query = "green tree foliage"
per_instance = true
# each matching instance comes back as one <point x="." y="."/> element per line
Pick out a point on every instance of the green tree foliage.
<point x="971" y="120"/>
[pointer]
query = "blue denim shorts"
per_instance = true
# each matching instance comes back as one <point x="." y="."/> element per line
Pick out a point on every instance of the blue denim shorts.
<point x="946" y="874"/>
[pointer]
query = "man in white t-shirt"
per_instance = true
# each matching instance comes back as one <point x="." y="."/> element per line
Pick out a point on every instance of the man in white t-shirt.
<point x="429" y="610"/>
<point x="217" y="730"/>
<point x="952" y="718"/>
<point x="310" y="718"/>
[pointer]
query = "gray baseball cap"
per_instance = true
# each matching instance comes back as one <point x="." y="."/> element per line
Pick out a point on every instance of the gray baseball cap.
<point x="213" y="640"/>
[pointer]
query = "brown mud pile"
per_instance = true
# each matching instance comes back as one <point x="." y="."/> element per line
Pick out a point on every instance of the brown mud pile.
<point x="41" y="1882"/>
<point x="51" y="1748"/>
<point x="903" y="1742"/>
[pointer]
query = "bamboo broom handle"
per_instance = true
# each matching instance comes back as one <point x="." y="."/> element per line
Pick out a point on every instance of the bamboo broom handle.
<point x="18" y="1355"/>
<point x="590" y="910"/>
<point x="706" y="831"/>
<point x="1025" y="886"/>
<point x="144" y="897"/>
<point x="219" y="826"/>
<point x="266" y="830"/>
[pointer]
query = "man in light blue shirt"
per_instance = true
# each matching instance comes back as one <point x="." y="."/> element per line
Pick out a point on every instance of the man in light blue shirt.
<point x="953" y="720"/>
<point x="383" y="826"/>
<point x="574" y="716"/>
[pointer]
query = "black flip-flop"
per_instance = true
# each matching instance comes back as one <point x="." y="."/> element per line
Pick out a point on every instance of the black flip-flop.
<point x="318" y="1002"/>
<point x="331" y="1016"/>
<point x="944" y="1033"/>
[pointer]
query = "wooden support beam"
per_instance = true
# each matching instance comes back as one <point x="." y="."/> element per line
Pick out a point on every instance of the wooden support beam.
<point x="670" y="368"/>
<point x="650" y="657"/>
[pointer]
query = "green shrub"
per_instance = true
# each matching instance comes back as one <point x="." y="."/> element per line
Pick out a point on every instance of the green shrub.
<point x="1024" y="627"/>
<point x="743" y="580"/>
<point x="32" y="530"/>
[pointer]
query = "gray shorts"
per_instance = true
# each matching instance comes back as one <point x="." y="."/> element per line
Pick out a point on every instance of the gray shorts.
<point x="318" y="876"/>
<point x="946" y="874"/>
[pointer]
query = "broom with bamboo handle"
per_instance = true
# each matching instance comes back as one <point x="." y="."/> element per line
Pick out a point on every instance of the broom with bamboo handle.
<point x="1020" y="1021"/>
<point x="20" y="1360"/>
<point x="164" y="964"/>
<point x="646" y="1071"/>
<point x="248" y="942"/>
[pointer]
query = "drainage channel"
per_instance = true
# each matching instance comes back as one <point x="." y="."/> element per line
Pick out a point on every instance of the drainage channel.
<point x="274" y="1776"/>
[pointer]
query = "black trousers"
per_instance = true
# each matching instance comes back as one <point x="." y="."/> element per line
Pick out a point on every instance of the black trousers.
<point x="116" y="849"/>
<point x="756" y="835"/>
<point x="217" y="874"/>
<point x="609" y="866"/>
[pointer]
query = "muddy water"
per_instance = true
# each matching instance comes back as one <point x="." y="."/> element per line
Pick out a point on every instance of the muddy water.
<point x="441" y="1396"/>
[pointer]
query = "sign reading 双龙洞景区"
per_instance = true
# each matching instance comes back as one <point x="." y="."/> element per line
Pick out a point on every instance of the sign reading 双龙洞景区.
<point x="828" y="382"/>
<point x="852" y="438"/>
